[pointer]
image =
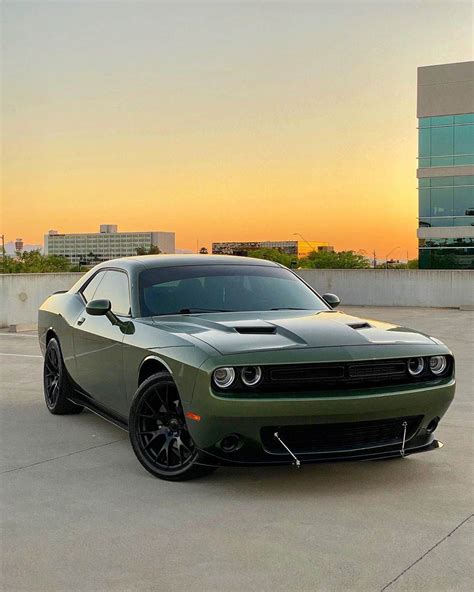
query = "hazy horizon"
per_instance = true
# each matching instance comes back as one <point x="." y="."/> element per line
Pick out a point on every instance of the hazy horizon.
<point x="220" y="121"/>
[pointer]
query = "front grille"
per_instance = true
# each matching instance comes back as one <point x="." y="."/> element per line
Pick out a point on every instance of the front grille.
<point x="375" y="370"/>
<point x="339" y="436"/>
<point x="325" y="377"/>
<point x="305" y="373"/>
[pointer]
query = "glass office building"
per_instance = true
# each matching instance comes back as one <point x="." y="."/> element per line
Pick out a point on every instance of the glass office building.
<point x="446" y="166"/>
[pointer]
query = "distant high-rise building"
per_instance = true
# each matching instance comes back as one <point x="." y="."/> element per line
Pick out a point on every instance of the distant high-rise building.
<point x="19" y="245"/>
<point x="89" y="248"/>
<point x="446" y="166"/>
<point x="292" y="247"/>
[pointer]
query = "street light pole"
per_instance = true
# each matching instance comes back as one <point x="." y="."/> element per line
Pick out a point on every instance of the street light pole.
<point x="307" y="242"/>
<point x="389" y="253"/>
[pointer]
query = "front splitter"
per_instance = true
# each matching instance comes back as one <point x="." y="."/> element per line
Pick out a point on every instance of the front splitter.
<point x="209" y="459"/>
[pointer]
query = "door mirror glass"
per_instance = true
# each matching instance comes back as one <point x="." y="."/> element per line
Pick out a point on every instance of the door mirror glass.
<point x="98" y="308"/>
<point x="332" y="300"/>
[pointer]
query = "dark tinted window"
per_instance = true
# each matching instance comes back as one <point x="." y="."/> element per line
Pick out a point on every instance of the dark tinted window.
<point x="214" y="288"/>
<point x="89" y="291"/>
<point x="114" y="287"/>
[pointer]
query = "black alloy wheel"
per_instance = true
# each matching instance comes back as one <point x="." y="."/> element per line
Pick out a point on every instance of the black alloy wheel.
<point x="158" y="432"/>
<point x="56" y="382"/>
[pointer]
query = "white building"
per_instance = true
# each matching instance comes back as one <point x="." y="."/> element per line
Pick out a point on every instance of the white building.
<point x="87" y="248"/>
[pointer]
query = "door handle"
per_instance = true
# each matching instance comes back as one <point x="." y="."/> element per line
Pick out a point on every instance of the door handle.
<point x="81" y="320"/>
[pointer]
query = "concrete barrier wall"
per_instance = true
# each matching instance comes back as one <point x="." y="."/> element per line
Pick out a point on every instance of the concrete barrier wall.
<point x="395" y="287"/>
<point x="22" y="293"/>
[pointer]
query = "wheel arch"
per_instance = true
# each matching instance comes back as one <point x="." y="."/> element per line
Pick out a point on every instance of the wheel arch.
<point x="151" y="365"/>
<point x="50" y="333"/>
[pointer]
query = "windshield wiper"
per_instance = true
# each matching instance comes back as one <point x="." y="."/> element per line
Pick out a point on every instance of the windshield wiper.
<point x="194" y="309"/>
<point x="290" y="308"/>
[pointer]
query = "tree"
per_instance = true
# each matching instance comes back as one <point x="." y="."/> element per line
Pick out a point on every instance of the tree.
<point x="273" y="255"/>
<point x="92" y="258"/>
<point x="34" y="262"/>
<point x="335" y="260"/>
<point x="153" y="250"/>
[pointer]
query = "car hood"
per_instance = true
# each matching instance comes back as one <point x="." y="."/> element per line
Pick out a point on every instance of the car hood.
<point x="230" y="333"/>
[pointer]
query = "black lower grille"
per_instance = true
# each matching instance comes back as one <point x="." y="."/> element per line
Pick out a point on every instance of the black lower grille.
<point x="339" y="436"/>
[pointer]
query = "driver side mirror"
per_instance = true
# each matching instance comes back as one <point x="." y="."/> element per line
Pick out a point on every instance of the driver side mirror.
<point x="332" y="300"/>
<point x="97" y="308"/>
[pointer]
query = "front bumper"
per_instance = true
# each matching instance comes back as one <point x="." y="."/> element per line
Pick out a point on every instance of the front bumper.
<point x="222" y="416"/>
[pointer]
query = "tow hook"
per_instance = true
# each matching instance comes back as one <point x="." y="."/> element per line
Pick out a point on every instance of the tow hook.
<point x="296" y="462"/>
<point x="402" y="451"/>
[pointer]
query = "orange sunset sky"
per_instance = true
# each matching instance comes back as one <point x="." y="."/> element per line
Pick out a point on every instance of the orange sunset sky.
<point x="220" y="121"/>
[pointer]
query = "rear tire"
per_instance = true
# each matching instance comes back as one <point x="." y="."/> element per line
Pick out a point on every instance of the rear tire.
<point x="159" y="434"/>
<point x="56" y="383"/>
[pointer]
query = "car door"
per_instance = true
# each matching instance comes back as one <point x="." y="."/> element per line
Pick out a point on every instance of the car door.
<point x="98" y="344"/>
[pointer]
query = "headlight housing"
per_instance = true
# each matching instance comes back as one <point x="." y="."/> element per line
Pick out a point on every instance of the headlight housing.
<point x="438" y="364"/>
<point x="416" y="366"/>
<point x="223" y="377"/>
<point x="251" y="375"/>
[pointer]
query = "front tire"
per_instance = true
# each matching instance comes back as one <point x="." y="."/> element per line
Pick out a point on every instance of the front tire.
<point x="159" y="434"/>
<point x="56" y="382"/>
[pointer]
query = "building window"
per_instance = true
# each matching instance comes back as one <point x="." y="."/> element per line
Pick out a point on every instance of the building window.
<point x="446" y="201"/>
<point x="446" y="140"/>
<point x="446" y="253"/>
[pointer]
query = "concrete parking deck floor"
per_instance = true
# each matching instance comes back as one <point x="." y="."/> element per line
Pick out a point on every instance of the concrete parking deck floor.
<point x="80" y="513"/>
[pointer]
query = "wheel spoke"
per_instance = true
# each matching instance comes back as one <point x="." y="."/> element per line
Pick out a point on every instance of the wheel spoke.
<point x="152" y="415"/>
<point x="165" y="449"/>
<point x="182" y="446"/>
<point x="182" y="449"/>
<point x="150" y="441"/>
<point x="156" y="434"/>
<point x="50" y="367"/>
<point x="163" y="407"/>
<point x="54" y="393"/>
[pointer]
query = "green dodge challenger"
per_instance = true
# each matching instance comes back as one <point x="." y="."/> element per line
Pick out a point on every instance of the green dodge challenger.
<point x="210" y="361"/>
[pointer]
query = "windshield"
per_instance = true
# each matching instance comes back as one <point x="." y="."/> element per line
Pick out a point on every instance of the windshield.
<point x="222" y="288"/>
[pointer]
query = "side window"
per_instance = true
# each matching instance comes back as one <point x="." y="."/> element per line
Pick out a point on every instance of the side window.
<point x="114" y="287"/>
<point x="89" y="291"/>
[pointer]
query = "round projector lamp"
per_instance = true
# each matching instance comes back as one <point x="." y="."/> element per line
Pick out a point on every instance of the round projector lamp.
<point x="438" y="364"/>
<point x="416" y="366"/>
<point x="251" y="375"/>
<point x="223" y="377"/>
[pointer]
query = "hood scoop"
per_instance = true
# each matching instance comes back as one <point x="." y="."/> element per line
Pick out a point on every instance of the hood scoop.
<point x="358" y="326"/>
<point x="259" y="330"/>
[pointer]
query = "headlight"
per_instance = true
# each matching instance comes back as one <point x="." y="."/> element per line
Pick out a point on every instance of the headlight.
<point x="251" y="375"/>
<point x="438" y="364"/>
<point x="223" y="377"/>
<point x="416" y="366"/>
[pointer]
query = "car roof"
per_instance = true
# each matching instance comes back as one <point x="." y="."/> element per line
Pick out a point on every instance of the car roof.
<point x="152" y="261"/>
